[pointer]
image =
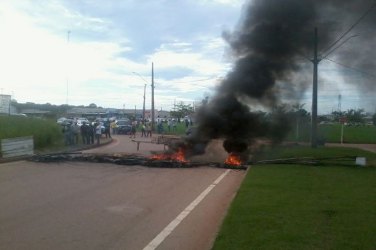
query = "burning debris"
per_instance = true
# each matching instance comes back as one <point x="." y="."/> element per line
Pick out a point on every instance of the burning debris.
<point x="267" y="49"/>
<point x="166" y="160"/>
<point x="178" y="156"/>
<point x="233" y="160"/>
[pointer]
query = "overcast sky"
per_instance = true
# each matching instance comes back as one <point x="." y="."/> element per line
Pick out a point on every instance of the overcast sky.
<point x="92" y="51"/>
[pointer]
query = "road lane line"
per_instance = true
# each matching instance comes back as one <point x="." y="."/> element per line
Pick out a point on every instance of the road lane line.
<point x="173" y="224"/>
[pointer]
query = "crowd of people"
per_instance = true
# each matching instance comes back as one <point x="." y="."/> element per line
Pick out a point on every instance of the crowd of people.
<point x="146" y="130"/>
<point x="90" y="133"/>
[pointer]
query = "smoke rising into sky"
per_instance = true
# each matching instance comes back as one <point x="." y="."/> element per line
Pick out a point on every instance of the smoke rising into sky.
<point x="269" y="48"/>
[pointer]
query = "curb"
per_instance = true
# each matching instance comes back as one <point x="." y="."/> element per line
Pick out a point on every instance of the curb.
<point x="64" y="151"/>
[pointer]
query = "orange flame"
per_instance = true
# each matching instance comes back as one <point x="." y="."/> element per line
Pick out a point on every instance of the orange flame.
<point x="233" y="159"/>
<point x="178" y="156"/>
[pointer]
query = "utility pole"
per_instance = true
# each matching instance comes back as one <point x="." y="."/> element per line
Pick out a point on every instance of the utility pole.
<point x="68" y="38"/>
<point x="143" y="108"/>
<point x="315" y="62"/>
<point x="152" y="97"/>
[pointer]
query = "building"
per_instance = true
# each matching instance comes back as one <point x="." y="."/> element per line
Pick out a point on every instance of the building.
<point x="35" y="113"/>
<point x="93" y="113"/>
<point x="5" y="107"/>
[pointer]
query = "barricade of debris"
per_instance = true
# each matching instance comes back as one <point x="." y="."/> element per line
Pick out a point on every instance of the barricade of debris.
<point x="127" y="159"/>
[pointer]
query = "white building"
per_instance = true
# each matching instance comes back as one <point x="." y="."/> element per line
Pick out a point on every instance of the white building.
<point x="5" y="104"/>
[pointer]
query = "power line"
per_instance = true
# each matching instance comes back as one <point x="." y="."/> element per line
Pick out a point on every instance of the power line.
<point x="340" y="45"/>
<point x="351" y="27"/>
<point x="352" y="68"/>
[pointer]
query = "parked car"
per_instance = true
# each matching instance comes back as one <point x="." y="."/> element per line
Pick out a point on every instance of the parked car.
<point x="61" y="120"/>
<point x="81" y="121"/>
<point x="66" y="122"/>
<point x="124" y="126"/>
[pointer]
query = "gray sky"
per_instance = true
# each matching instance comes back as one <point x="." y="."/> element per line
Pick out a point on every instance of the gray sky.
<point x="112" y="44"/>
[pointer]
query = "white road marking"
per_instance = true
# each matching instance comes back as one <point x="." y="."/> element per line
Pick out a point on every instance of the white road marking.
<point x="173" y="224"/>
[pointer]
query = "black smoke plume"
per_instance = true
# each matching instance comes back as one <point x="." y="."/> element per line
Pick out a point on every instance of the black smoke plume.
<point x="269" y="48"/>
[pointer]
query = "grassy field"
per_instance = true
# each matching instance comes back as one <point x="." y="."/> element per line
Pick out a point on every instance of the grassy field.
<point x="351" y="134"/>
<point x="332" y="133"/>
<point x="46" y="133"/>
<point x="328" y="132"/>
<point x="331" y="153"/>
<point x="180" y="129"/>
<point x="303" y="207"/>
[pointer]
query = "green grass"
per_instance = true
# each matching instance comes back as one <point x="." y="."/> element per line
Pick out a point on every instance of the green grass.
<point x="351" y="134"/>
<point x="332" y="133"/>
<point x="328" y="132"/>
<point x="46" y="133"/>
<point x="303" y="207"/>
<point x="320" y="153"/>
<point x="180" y="129"/>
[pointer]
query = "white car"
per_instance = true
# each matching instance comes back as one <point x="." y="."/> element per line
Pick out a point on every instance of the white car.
<point x="61" y="120"/>
<point x="81" y="121"/>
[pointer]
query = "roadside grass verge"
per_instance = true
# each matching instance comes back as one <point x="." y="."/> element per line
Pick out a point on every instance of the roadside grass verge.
<point x="303" y="207"/>
<point x="332" y="133"/>
<point x="351" y="134"/>
<point x="46" y="133"/>
<point x="333" y="154"/>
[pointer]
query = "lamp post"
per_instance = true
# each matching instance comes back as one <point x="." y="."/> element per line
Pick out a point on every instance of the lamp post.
<point x="67" y="83"/>
<point x="152" y="97"/>
<point x="143" y="106"/>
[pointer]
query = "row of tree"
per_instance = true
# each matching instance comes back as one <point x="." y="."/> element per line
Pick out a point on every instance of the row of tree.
<point x="297" y="111"/>
<point x="54" y="110"/>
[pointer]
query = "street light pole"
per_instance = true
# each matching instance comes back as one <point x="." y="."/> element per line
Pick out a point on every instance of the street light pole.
<point x="67" y="83"/>
<point x="152" y="97"/>
<point x="143" y="108"/>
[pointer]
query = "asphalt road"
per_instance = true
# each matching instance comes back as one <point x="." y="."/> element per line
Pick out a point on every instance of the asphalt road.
<point x="104" y="206"/>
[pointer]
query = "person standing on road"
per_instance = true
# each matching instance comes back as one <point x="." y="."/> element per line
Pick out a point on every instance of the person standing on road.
<point x="76" y="132"/>
<point x="143" y="130"/>
<point x="107" y="129"/>
<point x="84" y="131"/>
<point x="148" y="130"/>
<point x="133" y="129"/>
<point x="98" y="132"/>
<point x="160" y="127"/>
<point x="91" y="133"/>
<point x="113" y="126"/>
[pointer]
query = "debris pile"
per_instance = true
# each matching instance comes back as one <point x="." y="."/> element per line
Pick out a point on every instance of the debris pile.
<point x="128" y="160"/>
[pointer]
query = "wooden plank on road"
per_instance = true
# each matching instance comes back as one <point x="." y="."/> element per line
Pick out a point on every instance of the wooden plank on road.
<point x="17" y="146"/>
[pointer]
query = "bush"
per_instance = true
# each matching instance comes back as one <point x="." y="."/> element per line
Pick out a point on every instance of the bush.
<point x="45" y="132"/>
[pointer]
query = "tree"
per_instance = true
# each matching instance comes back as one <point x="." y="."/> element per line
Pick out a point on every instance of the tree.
<point x="181" y="110"/>
<point x="92" y="105"/>
<point x="338" y="115"/>
<point x="374" y="119"/>
<point x="355" y="116"/>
